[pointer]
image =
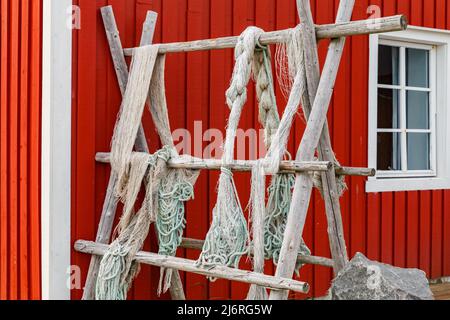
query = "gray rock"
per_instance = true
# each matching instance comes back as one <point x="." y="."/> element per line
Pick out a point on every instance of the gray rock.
<point x="363" y="279"/>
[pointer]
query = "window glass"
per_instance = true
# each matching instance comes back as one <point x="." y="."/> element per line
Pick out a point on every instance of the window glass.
<point x="388" y="65"/>
<point x="389" y="151"/>
<point x="419" y="151"/>
<point x="417" y="73"/>
<point x="417" y="110"/>
<point x="388" y="109"/>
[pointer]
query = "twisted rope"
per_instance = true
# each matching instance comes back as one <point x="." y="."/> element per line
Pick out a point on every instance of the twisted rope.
<point x="269" y="119"/>
<point x="293" y="83"/>
<point x="236" y="95"/>
<point x="265" y="92"/>
<point x="226" y="241"/>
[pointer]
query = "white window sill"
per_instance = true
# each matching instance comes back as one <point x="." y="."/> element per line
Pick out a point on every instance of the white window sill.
<point x="406" y="184"/>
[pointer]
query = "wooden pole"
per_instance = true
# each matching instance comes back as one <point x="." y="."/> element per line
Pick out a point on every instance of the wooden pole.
<point x="325" y="149"/>
<point x="237" y="165"/>
<point x="387" y="24"/>
<point x="303" y="185"/>
<point x="219" y="272"/>
<point x="355" y="172"/>
<point x="110" y="204"/>
<point x="360" y="27"/>
<point x="148" y="32"/>
<point x="246" y="166"/>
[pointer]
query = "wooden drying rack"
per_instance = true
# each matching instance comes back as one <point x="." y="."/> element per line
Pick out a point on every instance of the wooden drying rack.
<point x="316" y="137"/>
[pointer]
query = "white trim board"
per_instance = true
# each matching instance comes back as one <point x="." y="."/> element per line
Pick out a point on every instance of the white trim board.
<point x="440" y="39"/>
<point x="56" y="149"/>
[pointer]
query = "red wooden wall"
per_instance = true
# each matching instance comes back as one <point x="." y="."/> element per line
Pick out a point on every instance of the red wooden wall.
<point x="408" y="229"/>
<point x="20" y="97"/>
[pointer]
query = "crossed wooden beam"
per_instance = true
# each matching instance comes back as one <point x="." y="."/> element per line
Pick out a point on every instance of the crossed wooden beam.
<point x="316" y="137"/>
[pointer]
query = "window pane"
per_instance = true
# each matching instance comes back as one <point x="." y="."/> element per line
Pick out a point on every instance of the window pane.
<point x="388" y="109"/>
<point x="388" y="65"/>
<point x="417" y="68"/>
<point x="389" y="152"/>
<point x="417" y="110"/>
<point x="419" y="151"/>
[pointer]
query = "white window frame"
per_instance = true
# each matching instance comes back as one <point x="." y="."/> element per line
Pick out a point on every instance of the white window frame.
<point x="403" y="88"/>
<point x="438" y="42"/>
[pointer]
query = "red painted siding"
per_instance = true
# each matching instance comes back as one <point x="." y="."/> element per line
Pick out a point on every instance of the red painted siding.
<point x="20" y="109"/>
<point x="408" y="229"/>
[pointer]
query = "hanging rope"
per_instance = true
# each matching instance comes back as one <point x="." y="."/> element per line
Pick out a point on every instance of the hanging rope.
<point x="292" y="79"/>
<point x="117" y="268"/>
<point x="129" y="119"/>
<point x="226" y="241"/>
<point x="177" y="186"/>
<point x="280" y="190"/>
<point x="170" y="222"/>
<point x="166" y="190"/>
<point x="176" y="189"/>
<point x="269" y="119"/>
<point x="291" y="74"/>
<point x="265" y="92"/>
<point x="278" y="206"/>
<point x="257" y="212"/>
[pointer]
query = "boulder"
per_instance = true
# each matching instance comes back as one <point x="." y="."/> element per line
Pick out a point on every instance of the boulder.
<point x="363" y="279"/>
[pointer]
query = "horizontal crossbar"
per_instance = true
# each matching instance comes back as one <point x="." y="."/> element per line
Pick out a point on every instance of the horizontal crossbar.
<point x="195" y="244"/>
<point x="247" y="165"/>
<point x="238" y="165"/>
<point x="219" y="272"/>
<point x="328" y="31"/>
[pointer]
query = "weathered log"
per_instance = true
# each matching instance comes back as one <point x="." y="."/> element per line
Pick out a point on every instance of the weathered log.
<point x="218" y="272"/>
<point x="110" y="204"/>
<point x="371" y="26"/>
<point x="325" y="149"/>
<point x="237" y="165"/>
<point x="361" y="27"/>
<point x="194" y="244"/>
<point x="304" y="184"/>
<point x="353" y="171"/>
<point x="243" y="165"/>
